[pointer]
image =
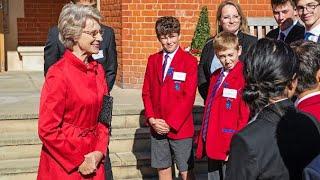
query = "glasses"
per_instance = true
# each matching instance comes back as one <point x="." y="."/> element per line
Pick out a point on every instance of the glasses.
<point x="229" y="18"/>
<point x="94" y="33"/>
<point x="308" y="7"/>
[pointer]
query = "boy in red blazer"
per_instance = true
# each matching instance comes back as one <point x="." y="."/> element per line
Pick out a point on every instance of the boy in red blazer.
<point x="168" y="95"/>
<point x="225" y="111"/>
<point x="308" y="88"/>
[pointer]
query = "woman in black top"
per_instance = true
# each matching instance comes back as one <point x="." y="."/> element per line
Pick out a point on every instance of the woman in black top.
<point x="279" y="141"/>
<point x="230" y="18"/>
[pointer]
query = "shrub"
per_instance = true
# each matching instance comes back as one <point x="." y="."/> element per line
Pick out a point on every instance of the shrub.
<point x="202" y="32"/>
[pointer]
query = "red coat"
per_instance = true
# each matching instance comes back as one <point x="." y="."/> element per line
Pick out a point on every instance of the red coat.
<point x="171" y="100"/>
<point x="223" y="121"/>
<point x="71" y="99"/>
<point x="311" y="105"/>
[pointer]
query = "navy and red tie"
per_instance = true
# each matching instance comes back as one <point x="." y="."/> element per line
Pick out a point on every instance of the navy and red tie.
<point x="164" y="65"/>
<point x="208" y="108"/>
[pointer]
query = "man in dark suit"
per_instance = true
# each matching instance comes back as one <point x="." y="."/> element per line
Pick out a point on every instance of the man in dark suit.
<point x="289" y="29"/>
<point x="107" y="55"/>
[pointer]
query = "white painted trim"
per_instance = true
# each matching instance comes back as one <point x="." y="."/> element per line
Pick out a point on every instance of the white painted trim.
<point x="98" y="5"/>
<point x="32" y="57"/>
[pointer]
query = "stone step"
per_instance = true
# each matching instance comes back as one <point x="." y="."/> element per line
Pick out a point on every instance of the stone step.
<point x="125" y="165"/>
<point x="20" y="152"/>
<point x="118" y="122"/>
<point x="27" y="144"/>
<point x="33" y="176"/>
<point x="22" y="176"/>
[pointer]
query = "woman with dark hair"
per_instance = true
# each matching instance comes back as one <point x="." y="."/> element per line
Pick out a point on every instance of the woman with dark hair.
<point x="279" y="141"/>
<point x="229" y="18"/>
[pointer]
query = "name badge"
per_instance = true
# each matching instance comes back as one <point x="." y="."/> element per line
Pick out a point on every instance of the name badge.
<point x="229" y="93"/>
<point x="179" y="76"/>
<point x="98" y="56"/>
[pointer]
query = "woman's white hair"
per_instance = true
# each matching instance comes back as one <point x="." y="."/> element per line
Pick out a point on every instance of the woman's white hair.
<point x="72" y="20"/>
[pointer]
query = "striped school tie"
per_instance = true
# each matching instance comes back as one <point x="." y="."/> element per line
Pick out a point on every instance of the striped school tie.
<point x="164" y="66"/>
<point x="208" y="108"/>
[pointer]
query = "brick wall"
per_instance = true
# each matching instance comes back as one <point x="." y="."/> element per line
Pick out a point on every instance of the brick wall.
<point x="111" y="12"/>
<point x="133" y="22"/>
<point x="137" y="37"/>
<point x="39" y="16"/>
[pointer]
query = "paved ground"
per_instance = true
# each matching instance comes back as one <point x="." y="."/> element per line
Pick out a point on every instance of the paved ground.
<point x="20" y="93"/>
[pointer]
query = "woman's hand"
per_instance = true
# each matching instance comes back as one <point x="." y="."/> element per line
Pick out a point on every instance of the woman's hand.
<point x="85" y="168"/>
<point x="90" y="162"/>
<point x="94" y="158"/>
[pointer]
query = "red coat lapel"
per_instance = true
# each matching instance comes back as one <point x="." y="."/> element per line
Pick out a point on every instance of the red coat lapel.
<point x="159" y="66"/>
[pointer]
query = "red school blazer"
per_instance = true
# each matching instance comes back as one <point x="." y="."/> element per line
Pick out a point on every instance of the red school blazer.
<point x="227" y="116"/>
<point x="171" y="100"/>
<point x="311" y="105"/>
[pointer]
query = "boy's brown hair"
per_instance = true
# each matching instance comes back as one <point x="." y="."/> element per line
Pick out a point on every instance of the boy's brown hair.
<point x="296" y="1"/>
<point x="93" y="2"/>
<point x="282" y="2"/>
<point x="225" y="40"/>
<point x="167" y="25"/>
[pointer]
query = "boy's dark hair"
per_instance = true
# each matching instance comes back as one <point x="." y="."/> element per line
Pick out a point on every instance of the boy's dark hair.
<point x="75" y="1"/>
<point x="282" y="2"/>
<point x="308" y="54"/>
<point x="225" y="40"/>
<point x="167" y="25"/>
<point x="91" y="1"/>
<point x="269" y="68"/>
<point x="296" y="1"/>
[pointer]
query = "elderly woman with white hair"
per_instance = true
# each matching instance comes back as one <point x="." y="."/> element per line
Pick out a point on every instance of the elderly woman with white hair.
<point x="74" y="142"/>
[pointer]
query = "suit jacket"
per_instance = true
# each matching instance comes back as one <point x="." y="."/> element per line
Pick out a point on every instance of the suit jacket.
<point x="171" y="100"/>
<point x="207" y="55"/>
<point x="295" y="34"/>
<point x="312" y="171"/>
<point x="224" y="122"/>
<point x="277" y="145"/>
<point x="311" y="105"/>
<point x="54" y="50"/>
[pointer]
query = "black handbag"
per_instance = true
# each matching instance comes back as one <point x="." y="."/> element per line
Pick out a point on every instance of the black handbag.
<point x="105" y="115"/>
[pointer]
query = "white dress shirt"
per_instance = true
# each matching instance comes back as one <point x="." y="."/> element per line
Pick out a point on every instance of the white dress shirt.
<point x="169" y="60"/>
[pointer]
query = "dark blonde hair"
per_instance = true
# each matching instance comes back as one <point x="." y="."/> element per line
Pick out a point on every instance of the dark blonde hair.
<point x="225" y="40"/>
<point x="243" y="20"/>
